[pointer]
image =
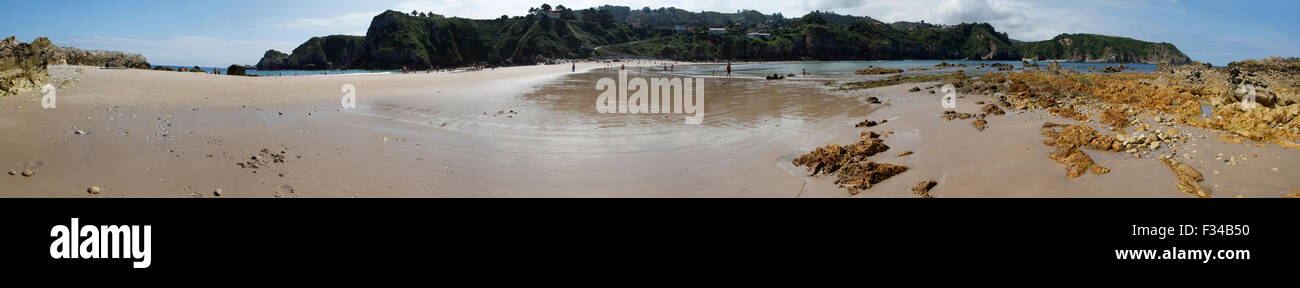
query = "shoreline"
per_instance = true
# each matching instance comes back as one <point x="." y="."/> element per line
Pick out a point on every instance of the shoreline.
<point x="528" y="131"/>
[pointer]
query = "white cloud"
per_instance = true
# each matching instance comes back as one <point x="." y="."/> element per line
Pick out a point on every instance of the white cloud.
<point x="354" y="23"/>
<point x="184" y="50"/>
<point x="1022" y="20"/>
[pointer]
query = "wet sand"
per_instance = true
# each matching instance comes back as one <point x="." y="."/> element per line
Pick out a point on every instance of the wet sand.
<point x="534" y="132"/>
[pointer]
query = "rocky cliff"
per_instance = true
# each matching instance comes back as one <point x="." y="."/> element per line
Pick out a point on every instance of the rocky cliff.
<point x="99" y="58"/>
<point x="1101" y="48"/>
<point x="23" y="65"/>
<point x="396" y="40"/>
<point x="318" y="53"/>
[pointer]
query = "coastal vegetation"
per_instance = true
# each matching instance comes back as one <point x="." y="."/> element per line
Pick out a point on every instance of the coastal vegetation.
<point x="1100" y="48"/>
<point x="900" y="79"/>
<point x="424" y="40"/>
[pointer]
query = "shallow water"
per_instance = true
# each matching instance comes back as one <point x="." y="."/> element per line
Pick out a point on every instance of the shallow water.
<point x="844" y="70"/>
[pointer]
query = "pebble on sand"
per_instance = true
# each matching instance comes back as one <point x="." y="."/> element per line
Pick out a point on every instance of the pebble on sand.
<point x="13" y="172"/>
<point x="217" y="192"/>
<point x="93" y="190"/>
<point x="28" y="172"/>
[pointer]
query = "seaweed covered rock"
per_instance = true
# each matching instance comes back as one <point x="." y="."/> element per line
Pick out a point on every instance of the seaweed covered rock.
<point x="860" y="176"/>
<point x="1079" y="136"/>
<point x="1068" y="141"/>
<point x="992" y="109"/>
<point x="949" y="115"/>
<point x="923" y="189"/>
<point x="1188" y="178"/>
<point x="877" y="71"/>
<point x="852" y="170"/>
<point x="830" y="159"/>
<point x="1076" y="162"/>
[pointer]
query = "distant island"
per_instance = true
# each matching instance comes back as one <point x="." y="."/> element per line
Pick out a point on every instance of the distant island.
<point x="423" y="40"/>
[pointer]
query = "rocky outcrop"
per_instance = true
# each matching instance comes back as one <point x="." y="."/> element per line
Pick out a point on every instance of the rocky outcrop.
<point x="100" y="58"/>
<point x="274" y="60"/>
<point x="236" y="70"/>
<point x="1276" y="80"/>
<point x="1068" y="141"/>
<point x="1101" y="48"/>
<point x="923" y="189"/>
<point x="318" y="53"/>
<point x="23" y="65"/>
<point x="1188" y="178"/>
<point x="852" y="170"/>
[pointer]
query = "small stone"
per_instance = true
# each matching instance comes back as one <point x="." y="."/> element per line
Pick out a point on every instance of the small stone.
<point x="13" y="172"/>
<point x="28" y="172"/>
<point x="79" y="132"/>
<point x="217" y="192"/>
<point x="1274" y="169"/>
<point x="93" y="190"/>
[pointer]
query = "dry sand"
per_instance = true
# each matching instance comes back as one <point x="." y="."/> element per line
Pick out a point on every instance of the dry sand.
<point x="533" y="132"/>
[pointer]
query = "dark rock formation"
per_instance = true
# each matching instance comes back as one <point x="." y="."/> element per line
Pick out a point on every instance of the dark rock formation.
<point x="23" y="65"/>
<point x="236" y="70"/>
<point x="318" y="53"/>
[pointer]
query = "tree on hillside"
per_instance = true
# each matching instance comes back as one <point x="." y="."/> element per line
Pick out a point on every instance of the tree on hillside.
<point x="813" y="18"/>
<point x="604" y="18"/>
<point x="566" y="13"/>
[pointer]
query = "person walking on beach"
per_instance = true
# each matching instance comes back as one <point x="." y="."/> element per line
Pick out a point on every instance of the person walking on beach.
<point x="575" y="67"/>
<point x="728" y="68"/>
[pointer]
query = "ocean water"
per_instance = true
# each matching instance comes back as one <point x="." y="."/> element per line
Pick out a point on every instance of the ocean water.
<point x="838" y="70"/>
<point x="277" y="73"/>
<point x="292" y="72"/>
<point x="829" y="70"/>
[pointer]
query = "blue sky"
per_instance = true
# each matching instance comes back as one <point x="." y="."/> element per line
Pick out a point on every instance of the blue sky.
<point x="219" y="33"/>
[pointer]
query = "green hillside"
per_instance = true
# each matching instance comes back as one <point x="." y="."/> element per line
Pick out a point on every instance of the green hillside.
<point x="420" y="40"/>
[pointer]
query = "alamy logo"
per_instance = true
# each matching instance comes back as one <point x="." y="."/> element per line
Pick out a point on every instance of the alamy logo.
<point x="659" y="95"/>
<point x="49" y="96"/>
<point x="349" y="100"/>
<point x="102" y="242"/>
<point x="1248" y="100"/>
<point x="949" y="100"/>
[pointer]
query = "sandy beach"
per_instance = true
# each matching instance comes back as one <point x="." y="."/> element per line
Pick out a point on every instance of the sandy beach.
<point x="533" y="131"/>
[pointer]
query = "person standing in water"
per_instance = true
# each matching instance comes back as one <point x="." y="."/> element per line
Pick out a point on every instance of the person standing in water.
<point x="728" y="68"/>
